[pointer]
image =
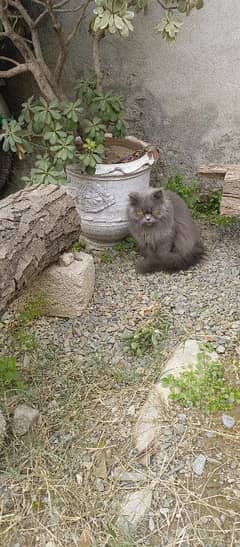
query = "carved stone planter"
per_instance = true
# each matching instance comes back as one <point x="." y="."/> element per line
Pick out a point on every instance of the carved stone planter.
<point x="102" y="199"/>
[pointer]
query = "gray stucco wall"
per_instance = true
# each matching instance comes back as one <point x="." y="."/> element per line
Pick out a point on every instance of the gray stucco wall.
<point x="185" y="97"/>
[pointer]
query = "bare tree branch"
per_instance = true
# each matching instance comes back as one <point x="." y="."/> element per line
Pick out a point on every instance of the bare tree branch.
<point x="34" y="35"/>
<point x="3" y="58"/>
<point x="40" y="17"/>
<point x="19" y="69"/>
<point x="64" y="41"/>
<point x="30" y="22"/>
<point x="78" y="23"/>
<point x="15" y="38"/>
<point x="40" y="2"/>
<point x="97" y="37"/>
<point x="32" y="63"/>
<point x="19" y="7"/>
<point x="31" y="49"/>
<point x="60" y="4"/>
<point x="57" y="27"/>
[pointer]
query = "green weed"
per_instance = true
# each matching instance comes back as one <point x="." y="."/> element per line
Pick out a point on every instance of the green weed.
<point x="128" y="245"/>
<point x="125" y="246"/>
<point x="9" y="374"/>
<point x="203" y="388"/>
<point x="32" y="310"/>
<point x="20" y="339"/>
<point x="77" y="247"/>
<point x="208" y="208"/>
<point x="114" y="541"/>
<point x="148" y="336"/>
<point x="205" y="207"/>
<point x="105" y="257"/>
<point x="188" y="192"/>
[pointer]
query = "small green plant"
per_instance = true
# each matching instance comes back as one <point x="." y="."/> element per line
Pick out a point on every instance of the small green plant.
<point x="77" y="247"/>
<point x="208" y="207"/>
<point x="203" y="388"/>
<point x="32" y="310"/>
<point x="125" y="246"/>
<point x="20" y="339"/>
<point x="188" y="192"/>
<point x="205" y="207"/>
<point x="9" y="374"/>
<point x="62" y="132"/>
<point x="105" y="257"/>
<point x="148" y="336"/>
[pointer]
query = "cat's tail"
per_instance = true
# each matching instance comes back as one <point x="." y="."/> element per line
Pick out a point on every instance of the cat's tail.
<point x="175" y="262"/>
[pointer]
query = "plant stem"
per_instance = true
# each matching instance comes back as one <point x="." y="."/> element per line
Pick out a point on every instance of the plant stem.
<point x="97" y="37"/>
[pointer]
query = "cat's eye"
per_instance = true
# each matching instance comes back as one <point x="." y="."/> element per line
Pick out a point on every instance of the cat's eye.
<point x="139" y="213"/>
<point x="156" y="212"/>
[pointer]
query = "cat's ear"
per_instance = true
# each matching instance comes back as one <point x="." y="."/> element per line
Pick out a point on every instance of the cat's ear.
<point x="158" y="194"/>
<point x="134" y="198"/>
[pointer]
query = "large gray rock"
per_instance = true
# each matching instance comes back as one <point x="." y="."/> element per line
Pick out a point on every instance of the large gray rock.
<point x="149" y="422"/>
<point x="67" y="286"/>
<point x="24" y="418"/>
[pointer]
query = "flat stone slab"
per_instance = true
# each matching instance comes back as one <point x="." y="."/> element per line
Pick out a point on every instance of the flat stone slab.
<point x="149" y="422"/>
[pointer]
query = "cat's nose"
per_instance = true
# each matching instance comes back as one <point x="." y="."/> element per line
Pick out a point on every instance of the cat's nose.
<point x="148" y="218"/>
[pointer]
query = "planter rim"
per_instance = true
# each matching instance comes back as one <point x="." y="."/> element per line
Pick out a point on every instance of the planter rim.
<point x="74" y="169"/>
<point x="148" y="157"/>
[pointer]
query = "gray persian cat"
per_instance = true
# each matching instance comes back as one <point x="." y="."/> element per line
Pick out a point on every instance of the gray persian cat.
<point x="164" y="230"/>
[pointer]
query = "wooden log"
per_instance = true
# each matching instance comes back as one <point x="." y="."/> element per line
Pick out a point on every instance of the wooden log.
<point x="36" y="225"/>
<point x="213" y="169"/>
<point x="230" y="203"/>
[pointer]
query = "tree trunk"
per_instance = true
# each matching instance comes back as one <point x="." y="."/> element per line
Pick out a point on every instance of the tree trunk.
<point x="50" y="91"/>
<point x="36" y="225"/>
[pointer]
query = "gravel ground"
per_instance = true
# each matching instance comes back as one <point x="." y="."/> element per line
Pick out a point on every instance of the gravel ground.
<point x="203" y="301"/>
<point x="89" y="390"/>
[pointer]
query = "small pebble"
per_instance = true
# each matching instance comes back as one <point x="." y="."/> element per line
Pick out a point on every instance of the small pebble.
<point x="166" y="444"/>
<point x="132" y="476"/>
<point x="182" y="418"/>
<point x="228" y="421"/>
<point x="210" y="434"/>
<point x="204" y="519"/>
<point x="99" y="485"/>
<point x="131" y="411"/>
<point x="220" y="349"/>
<point x="180" y="428"/>
<point x="151" y="524"/>
<point x="164" y="511"/>
<point x="199" y="464"/>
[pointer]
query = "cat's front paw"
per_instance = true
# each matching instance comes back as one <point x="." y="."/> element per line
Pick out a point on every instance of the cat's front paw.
<point x="143" y="267"/>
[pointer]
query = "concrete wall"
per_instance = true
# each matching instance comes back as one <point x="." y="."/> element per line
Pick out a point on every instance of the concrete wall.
<point x="184" y="96"/>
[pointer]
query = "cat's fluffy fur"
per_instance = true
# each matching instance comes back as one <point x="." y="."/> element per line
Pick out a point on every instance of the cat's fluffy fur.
<point x="164" y="230"/>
